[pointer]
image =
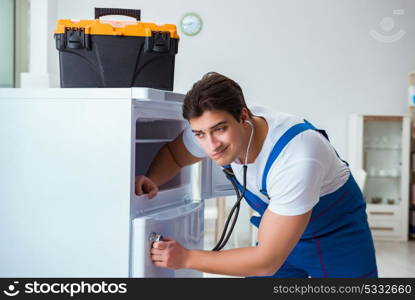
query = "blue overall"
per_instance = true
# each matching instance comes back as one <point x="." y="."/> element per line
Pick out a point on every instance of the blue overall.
<point x="337" y="241"/>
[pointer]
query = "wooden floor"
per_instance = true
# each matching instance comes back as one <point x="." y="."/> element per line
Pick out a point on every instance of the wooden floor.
<point x="394" y="259"/>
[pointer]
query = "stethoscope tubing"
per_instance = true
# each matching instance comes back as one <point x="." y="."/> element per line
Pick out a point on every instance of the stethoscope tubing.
<point x="223" y="240"/>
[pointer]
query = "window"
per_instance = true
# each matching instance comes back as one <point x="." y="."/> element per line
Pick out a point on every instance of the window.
<point x="7" y="43"/>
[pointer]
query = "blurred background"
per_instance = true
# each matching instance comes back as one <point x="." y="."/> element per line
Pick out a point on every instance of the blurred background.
<point x="343" y="65"/>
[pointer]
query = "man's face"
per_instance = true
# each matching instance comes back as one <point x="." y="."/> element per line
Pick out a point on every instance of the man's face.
<point x="219" y="134"/>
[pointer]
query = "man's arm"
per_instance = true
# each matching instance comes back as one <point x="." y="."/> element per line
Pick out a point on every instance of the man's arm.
<point x="277" y="236"/>
<point x="169" y="160"/>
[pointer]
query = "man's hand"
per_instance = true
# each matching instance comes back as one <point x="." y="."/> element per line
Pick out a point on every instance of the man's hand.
<point x="169" y="254"/>
<point x="144" y="185"/>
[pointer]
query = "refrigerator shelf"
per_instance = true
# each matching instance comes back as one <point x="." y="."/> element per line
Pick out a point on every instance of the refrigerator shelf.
<point x="139" y="141"/>
<point x="142" y="205"/>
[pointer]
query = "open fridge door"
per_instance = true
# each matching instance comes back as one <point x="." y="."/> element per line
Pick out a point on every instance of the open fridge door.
<point x="174" y="212"/>
<point x="213" y="181"/>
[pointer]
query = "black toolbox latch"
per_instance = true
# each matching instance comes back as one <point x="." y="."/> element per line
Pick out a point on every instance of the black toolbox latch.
<point x="159" y="41"/>
<point x="73" y="38"/>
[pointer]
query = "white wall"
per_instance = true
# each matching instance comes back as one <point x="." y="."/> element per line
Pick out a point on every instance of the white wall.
<point x="311" y="58"/>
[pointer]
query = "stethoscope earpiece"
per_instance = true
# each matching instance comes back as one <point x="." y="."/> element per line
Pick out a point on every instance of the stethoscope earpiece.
<point x="249" y="122"/>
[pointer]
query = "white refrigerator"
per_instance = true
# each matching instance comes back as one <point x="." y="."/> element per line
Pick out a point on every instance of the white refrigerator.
<point x="68" y="161"/>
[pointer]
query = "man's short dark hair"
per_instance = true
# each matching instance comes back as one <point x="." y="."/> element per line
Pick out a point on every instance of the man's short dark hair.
<point x="214" y="92"/>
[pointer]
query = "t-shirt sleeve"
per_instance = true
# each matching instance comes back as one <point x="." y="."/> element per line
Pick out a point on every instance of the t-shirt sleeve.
<point x="191" y="144"/>
<point x="295" y="183"/>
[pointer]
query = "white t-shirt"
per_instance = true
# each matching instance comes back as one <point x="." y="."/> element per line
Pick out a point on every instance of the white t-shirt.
<point x="306" y="169"/>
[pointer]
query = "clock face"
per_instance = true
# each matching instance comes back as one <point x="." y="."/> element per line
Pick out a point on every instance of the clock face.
<point x="191" y="24"/>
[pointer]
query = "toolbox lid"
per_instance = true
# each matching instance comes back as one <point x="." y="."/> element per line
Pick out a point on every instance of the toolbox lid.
<point x="117" y="28"/>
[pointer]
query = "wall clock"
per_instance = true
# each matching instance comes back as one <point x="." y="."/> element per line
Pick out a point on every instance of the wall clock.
<point x="191" y="24"/>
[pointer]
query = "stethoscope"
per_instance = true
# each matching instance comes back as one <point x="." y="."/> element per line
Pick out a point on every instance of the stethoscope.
<point x="239" y="196"/>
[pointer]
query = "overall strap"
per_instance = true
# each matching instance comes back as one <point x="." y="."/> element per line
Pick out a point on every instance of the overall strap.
<point x="282" y="142"/>
<point x="278" y="147"/>
<point x="253" y="200"/>
<point x="323" y="132"/>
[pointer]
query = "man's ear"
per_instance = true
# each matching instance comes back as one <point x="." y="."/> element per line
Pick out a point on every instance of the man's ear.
<point x="244" y="116"/>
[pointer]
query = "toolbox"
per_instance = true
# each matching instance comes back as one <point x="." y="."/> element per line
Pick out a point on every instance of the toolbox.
<point x="106" y="53"/>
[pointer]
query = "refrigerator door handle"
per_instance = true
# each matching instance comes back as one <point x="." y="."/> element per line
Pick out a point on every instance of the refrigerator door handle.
<point x="154" y="238"/>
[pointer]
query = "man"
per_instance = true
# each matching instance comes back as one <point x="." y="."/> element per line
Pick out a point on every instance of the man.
<point x="312" y="214"/>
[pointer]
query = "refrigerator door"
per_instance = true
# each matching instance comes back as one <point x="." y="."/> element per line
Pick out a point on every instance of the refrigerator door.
<point x="213" y="181"/>
<point x="155" y="94"/>
<point x="65" y="182"/>
<point x="183" y="223"/>
<point x="154" y="124"/>
<point x="167" y="106"/>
